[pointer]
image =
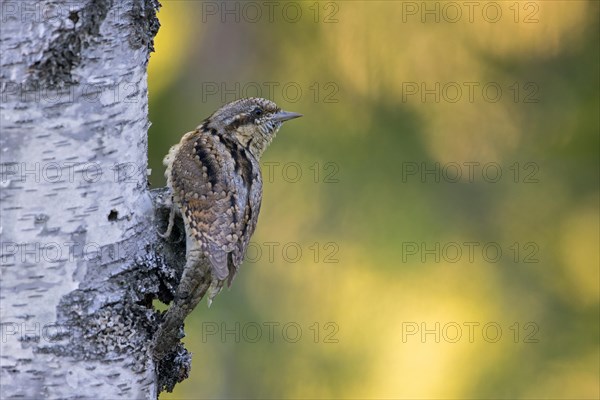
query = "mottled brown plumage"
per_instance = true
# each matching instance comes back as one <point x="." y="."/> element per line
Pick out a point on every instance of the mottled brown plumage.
<point x="216" y="185"/>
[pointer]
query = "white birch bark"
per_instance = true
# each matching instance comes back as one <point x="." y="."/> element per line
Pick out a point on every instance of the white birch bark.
<point x="76" y="227"/>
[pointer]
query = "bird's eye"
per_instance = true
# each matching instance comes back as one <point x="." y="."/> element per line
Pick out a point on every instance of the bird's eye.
<point x="257" y="112"/>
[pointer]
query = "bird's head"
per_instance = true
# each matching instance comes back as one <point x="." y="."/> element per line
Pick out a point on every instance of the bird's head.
<point x="253" y="122"/>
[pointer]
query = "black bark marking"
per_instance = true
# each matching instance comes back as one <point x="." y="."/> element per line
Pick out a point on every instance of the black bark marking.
<point x="145" y="24"/>
<point x="64" y="53"/>
<point x="113" y="215"/>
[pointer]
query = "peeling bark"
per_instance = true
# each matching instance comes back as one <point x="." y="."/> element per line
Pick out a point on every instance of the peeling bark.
<point x="80" y="260"/>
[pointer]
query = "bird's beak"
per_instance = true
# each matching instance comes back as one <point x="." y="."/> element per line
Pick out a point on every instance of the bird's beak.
<point x="282" y="116"/>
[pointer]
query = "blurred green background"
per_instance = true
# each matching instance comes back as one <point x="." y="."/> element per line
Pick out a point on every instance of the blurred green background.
<point x="374" y="271"/>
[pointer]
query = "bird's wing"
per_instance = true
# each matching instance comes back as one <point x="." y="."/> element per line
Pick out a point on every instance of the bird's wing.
<point x="211" y="195"/>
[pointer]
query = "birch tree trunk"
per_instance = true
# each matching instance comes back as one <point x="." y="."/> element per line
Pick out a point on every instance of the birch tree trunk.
<point x="76" y="227"/>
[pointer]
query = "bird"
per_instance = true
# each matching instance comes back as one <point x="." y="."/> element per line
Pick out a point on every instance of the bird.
<point x="215" y="180"/>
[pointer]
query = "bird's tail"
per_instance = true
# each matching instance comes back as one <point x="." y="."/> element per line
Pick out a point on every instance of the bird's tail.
<point x="194" y="284"/>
